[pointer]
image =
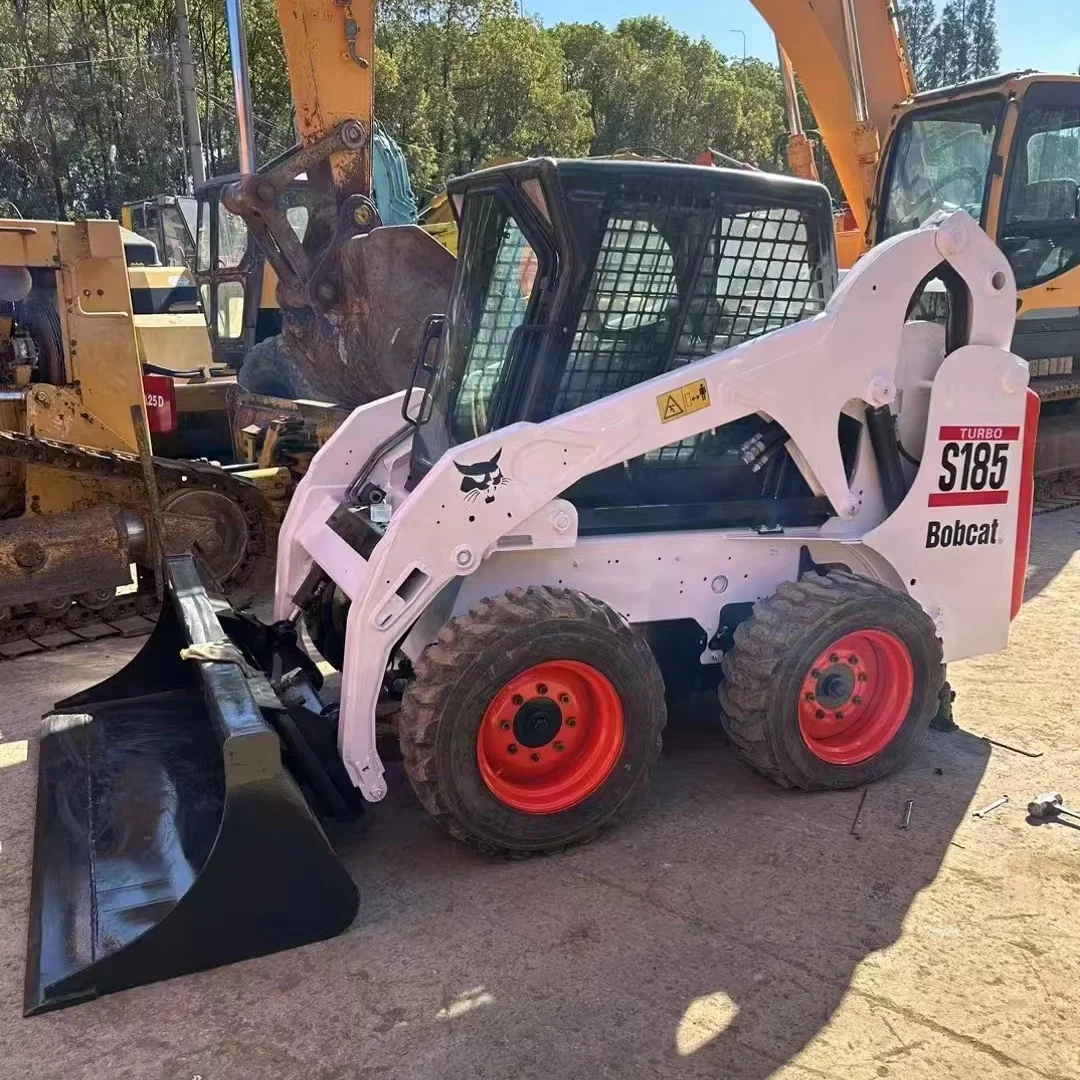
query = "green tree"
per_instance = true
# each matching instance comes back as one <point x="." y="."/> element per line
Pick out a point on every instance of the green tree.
<point x="983" y="51"/>
<point x="959" y="46"/>
<point x="651" y="87"/>
<point x="919" y="17"/>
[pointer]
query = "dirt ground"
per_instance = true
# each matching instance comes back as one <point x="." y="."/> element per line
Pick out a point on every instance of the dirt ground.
<point x="725" y="930"/>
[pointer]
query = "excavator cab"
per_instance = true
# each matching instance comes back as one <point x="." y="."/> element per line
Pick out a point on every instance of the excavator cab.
<point x="1007" y="150"/>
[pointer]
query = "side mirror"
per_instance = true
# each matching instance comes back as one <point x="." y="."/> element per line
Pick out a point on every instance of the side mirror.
<point x="425" y="363"/>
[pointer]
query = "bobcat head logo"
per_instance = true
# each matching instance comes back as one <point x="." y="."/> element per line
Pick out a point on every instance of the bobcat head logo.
<point x="482" y="478"/>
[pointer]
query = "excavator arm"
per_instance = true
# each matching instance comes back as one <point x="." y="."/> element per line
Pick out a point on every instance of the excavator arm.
<point x="826" y="41"/>
<point x="328" y="53"/>
<point x="353" y="294"/>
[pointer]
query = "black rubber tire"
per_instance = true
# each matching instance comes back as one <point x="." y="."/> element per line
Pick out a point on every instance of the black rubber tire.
<point x="458" y="675"/>
<point x="38" y="316"/>
<point x="267" y="370"/>
<point x="326" y="626"/>
<point x="773" y="651"/>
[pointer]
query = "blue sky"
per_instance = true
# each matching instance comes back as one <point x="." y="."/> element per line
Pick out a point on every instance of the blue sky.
<point x="1033" y="33"/>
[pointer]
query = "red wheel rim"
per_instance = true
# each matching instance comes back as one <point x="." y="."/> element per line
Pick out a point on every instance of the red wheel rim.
<point x="550" y="737"/>
<point x="855" y="696"/>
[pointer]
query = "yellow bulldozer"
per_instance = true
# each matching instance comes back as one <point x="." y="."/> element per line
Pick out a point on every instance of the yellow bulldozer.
<point x="85" y="509"/>
<point x="103" y="344"/>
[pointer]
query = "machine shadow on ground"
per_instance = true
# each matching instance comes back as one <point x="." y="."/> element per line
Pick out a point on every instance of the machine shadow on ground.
<point x="714" y="933"/>
<point x="1048" y="559"/>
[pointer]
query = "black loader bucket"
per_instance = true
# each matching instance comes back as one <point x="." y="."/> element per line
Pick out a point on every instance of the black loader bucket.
<point x="169" y="836"/>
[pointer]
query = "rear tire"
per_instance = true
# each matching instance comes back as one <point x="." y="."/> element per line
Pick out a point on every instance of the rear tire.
<point x="875" y="695"/>
<point x="38" y="316"/>
<point x="583" y="753"/>
<point x="326" y="626"/>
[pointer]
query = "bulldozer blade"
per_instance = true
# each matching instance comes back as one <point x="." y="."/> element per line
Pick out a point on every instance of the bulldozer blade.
<point x="169" y="836"/>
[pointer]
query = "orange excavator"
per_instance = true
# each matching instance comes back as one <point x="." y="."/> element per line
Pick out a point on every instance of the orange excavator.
<point x="1006" y="149"/>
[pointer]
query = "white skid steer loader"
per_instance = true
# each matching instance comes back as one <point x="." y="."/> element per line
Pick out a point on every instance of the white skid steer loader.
<point x="655" y="449"/>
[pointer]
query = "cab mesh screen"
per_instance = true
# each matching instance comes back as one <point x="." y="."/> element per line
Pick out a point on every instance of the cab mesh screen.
<point x="673" y="282"/>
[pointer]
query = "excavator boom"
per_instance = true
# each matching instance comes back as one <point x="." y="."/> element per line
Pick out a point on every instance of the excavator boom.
<point x="328" y="54"/>
<point x="851" y="61"/>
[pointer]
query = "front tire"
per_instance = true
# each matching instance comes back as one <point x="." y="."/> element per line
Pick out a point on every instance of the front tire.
<point x="832" y="682"/>
<point x="533" y="721"/>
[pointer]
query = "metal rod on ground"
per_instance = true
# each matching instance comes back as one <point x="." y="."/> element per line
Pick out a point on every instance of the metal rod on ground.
<point x="1014" y="749"/>
<point x="858" y="813"/>
<point x="191" y="103"/>
<point x="992" y="807"/>
<point x="245" y="135"/>
<point x="906" y="823"/>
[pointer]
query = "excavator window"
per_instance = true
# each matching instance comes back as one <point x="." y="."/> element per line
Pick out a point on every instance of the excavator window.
<point x="1040" y="231"/>
<point x="202" y="244"/>
<point x="178" y="247"/>
<point x="232" y="239"/>
<point x="940" y="160"/>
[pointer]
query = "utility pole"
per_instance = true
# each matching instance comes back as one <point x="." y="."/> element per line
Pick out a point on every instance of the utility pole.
<point x="245" y="132"/>
<point x="191" y="103"/>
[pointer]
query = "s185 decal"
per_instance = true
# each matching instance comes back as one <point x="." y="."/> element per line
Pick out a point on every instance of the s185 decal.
<point x="974" y="466"/>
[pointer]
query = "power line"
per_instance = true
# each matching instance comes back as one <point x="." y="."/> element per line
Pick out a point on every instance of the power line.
<point x="78" y="63"/>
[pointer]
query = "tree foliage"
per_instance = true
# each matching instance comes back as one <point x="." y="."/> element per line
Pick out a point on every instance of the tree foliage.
<point x="959" y="45"/>
<point x="90" y="111"/>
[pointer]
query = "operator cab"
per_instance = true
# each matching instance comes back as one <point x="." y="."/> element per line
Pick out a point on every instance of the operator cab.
<point x="578" y="279"/>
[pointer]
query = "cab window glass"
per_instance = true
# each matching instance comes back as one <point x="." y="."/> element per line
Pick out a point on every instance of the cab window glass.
<point x="497" y="309"/>
<point x="1040" y="233"/>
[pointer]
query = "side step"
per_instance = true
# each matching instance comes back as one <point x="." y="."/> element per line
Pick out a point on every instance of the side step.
<point x="169" y="836"/>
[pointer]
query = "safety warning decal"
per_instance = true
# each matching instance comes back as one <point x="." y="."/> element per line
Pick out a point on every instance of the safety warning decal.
<point x="974" y="465"/>
<point x="675" y="404"/>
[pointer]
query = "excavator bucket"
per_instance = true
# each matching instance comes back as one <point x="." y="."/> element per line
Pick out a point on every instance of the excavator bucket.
<point x="169" y="837"/>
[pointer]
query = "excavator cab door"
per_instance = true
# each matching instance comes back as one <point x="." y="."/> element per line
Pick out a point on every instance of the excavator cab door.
<point x="225" y="272"/>
<point x="1039" y="223"/>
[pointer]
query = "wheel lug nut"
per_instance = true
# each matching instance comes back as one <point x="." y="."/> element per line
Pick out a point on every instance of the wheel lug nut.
<point x="833" y="658"/>
<point x="517" y="699"/>
<point x="839" y="715"/>
<point x="541" y="688"/>
<point x="820" y="714"/>
<point x="534" y="756"/>
<point x="862" y="678"/>
<point x="571" y="722"/>
<point x="558" y="745"/>
<point x="504" y="725"/>
<point x="856" y="700"/>
<point x="815" y="674"/>
<point x="809" y="697"/>
<point x="852" y="659"/>
<point x="512" y="748"/>
<point x="564" y="699"/>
